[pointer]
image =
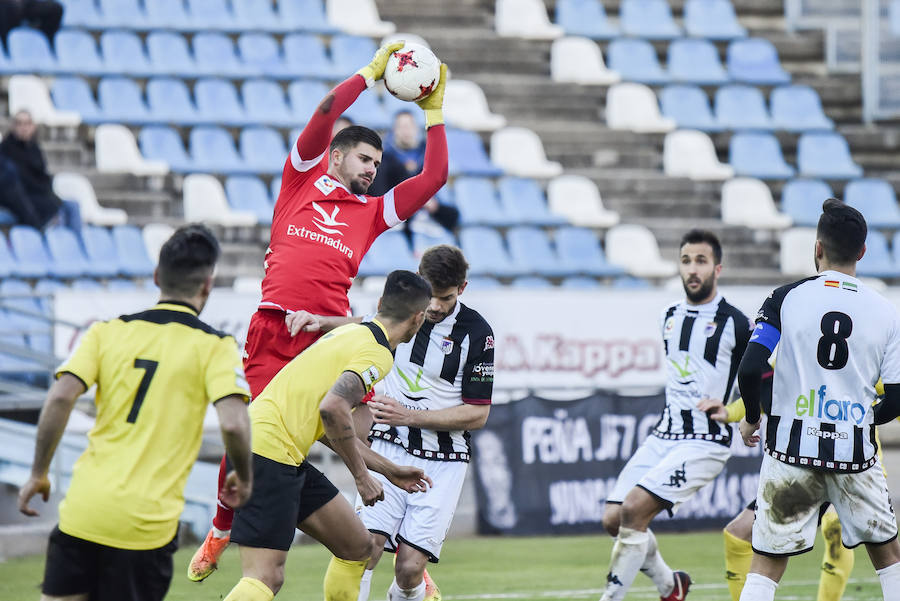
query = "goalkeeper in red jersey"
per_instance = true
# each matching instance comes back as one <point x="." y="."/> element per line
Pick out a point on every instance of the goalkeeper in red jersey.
<point x="322" y="226"/>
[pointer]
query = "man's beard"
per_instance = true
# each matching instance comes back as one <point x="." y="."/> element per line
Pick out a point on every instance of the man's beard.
<point x="702" y="292"/>
<point x="358" y="186"/>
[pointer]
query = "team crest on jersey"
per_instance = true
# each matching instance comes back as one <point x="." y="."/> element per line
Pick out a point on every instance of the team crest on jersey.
<point x="488" y="342"/>
<point x="325" y="185"/>
<point x="710" y="329"/>
<point x="446" y="346"/>
<point x="668" y="328"/>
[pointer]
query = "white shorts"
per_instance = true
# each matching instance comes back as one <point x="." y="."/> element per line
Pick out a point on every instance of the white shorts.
<point x="420" y="520"/>
<point x="790" y="499"/>
<point x="671" y="470"/>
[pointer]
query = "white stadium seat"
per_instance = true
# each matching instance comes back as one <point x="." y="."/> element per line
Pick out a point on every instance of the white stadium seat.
<point x="155" y="235"/>
<point x="525" y="19"/>
<point x="797" y="250"/>
<point x="634" y="247"/>
<point x="74" y="186"/>
<point x="690" y="153"/>
<point x="117" y="152"/>
<point x="748" y="201"/>
<point x="576" y="59"/>
<point x="519" y="151"/>
<point x="577" y="198"/>
<point x="30" y="93"/>
<point x="204" y="200"/>
<point x="248" y="284"/>
<point x="358" y="17"/>
<point x="466" y="107"/>
<point x="634" y="106"/>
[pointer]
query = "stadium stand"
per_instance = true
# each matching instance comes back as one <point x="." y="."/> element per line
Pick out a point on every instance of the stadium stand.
<point x="758" y="155"/>
<point x="875" y="199"/>
<point x="117" y="152"/>
<point x="576" y="198"/>
<point x="635" y="60"/>
<point x="712" y="19"/>
<point x="696" y="61"/>
<point x="579" y="60"/>
<point x="802" y="200"/>
<point x="748" y="202"/>
<point x="742" y="107"/>
<point x="525" y="19"/>
<point x="649" y="19"/>
<point x="688" y="106"/>
<point x="690" y="153"/>
<point x="467" y="107"/>
<point x="519" y="151"/>
<point x="585" y="18"/>
<point x="634" y="106"/>
<point x="634" y="247"/>
<point x="30" y="92"/>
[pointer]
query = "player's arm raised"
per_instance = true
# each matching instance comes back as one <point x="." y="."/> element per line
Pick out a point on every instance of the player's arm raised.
<point x="234" y="423"/>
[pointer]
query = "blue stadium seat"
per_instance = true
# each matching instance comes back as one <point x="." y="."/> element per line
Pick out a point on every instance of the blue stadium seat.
<point x="531" y="282"/>
<point x="305" y="15"/>
<point x="305" y="56"/>
<point x="248" y="193"/>
<point x="7" y="218"/>
<point x="265" y="103"/>
<point x="390" y="251"/>
<point x="69" y="260"/>
<point x="635" y="60"/>
<point x="167" y="14"/>
<point x="530" y="248"/>
<point x="170" y="102"/>
<point x="877" y="262"/>
<point x="826" y="155"/>
<point x="579" y="250"/>
<point x="524" y="202"/>
<point x="349" y="53"/>
<point x="802" y="199"/>
<point x="213" y="151"/>
<point x="263" y="150"/>
<point x="86" y="284"/>
<point x="798" y="108"/>
<point x="275" y="188"/>
<point x="100" y="250"/>
<point x="422" y="240"/>
<point x="131" y="251"/>
<point x="689" y="107"/>
<point x="696" y="61"/>
<point x="81" y="13"/>
<point x="218" y="102"/>
<point x="261" y="54"/>
<point x="483" y="283"/>
<point x="212" y="14"/>
<point x="122" y="13"/>
<point x="215" y="54"/>
<point x="120" y="99"/>
<point x="467" y="155"/>
<point x="755" y="60"/>
<point x="476" y="199"/>
<point x="7" y="259"/>
<point x="123" y="53"/>
<point x="32" y="260"/>
<point x="580" y="282"/>
<point x="258" y="15"/>
<point x="305" y="96"/>
<point x="585" y="18"/>
<point x="78" y="53"/>
<point x="712" y="19"/>
<point x="164" y="143"/>
<point x="19" y="295"/>
<point x="394" y="105"/>
<point x="649" y="19"/>
<point x="486" y="252"/>
<point x="74" y="94"/>
<point x="758" y="155"/>
<point x="742" y="107"/>
<point x="29" y="52"/>
<point x="367" y="110"/>
<point x="895" y="245"/>
<point x="121" y="285"/>
<point x="631" y="283"/>
<point x="169" y="54"/>
<point x="46" y="288"/>
<point x="875" y="199"/>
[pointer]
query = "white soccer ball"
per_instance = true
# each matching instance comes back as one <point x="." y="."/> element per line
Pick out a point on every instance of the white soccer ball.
<point x="412" y="72"/>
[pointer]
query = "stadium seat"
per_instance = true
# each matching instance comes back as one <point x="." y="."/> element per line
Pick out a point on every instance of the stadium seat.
<point x="86" y="284"/>
<point x="585" y="18"/>
<point x="29" y="52"/>
<point x="155" y="235"/>
<point x="116" y="151"/>
<point x="305" y="56"/>
<point x="696" y="61"/>
<point x="170" y="102"/>
<point x="688" y="107"/>
<point x="648" y="19"/>
<point x="6" y="218"/>
<point x="7" y="260"/>
<point x="265" y="103"/>
<point x="212" y="14"/>
<point x="357" y="17"/>
<point x="748" y="201"/>
<point x="802" y="199"/>
<point x="486" y="252"/>
<point x="579" y="60"/>
<point x="577" y="199"/>
<point x="81" y="13"/>
<point x="30" y="93"/>
<point x="261" y="54"/>
<point x="304" y="97"/>
<point x="466" y="107"/>
<point x="826" y="155"/>
<point x="204" y="200"/>
<point x="524" y="19"/>
<point x="712" y="19"/>
<point x="100" y="250"/>
<point x="798" y="108"/>
<point x="258" y="15"/>
<point x="875" y="199"/>
<point x="742" y="107"/>
<point x="121" y="101"/>
<point x="635" y="60"/>
<point x="167" y="14"/>
<point x="77" y="53"/>
<point x="367" y="110"/>
<point x="758" y="155"/>
<point x="389" y="251"/>
<point x="467" y="155"/>
<point x="275" y="188"/>
<point x="476" y="199"/>
<point x="213" y="151"/>
<point x="77" y="187"/>
<point x="579" y="250"/>
<point x="17" y="294"/>
<point x="690" y="153"/>
<point x="797" y="251"/>
<point x="169" y="54"/>
<point x="634" y="248"/>
<point x="483" y="283"/>
<point x="633" y="106"/>
<point x="214" y="54"/>
<point x="579" y="282"/>
<point x="523" y="201"/>
<point x="422" y="239"/>
<point x="530" y="248"/>
<point x="122" y="13"/>
<point x="121" y="285"/>
<point x="247" y="193"/>
<point x="70" y="95"/>
<point x="263" y="150"/>
<point x="68" y="260"/>
<point x="877" y="261"/>
<point x="531" y="282"/>
<point x="32" y="259"/>
<point x="349" y="53"/>
<point x="218" y="102"/>
<point x="124" y="54"/>
<point x="305" y="15"/>
<point x="132" y="253"/>
<point x="519" y="151"/>
<point x="162" y="143"/>
<point x="755" y="61"/>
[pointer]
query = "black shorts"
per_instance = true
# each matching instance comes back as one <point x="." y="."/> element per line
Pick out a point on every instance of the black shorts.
<point x="283" y="496"/>
<point x="76" y="566"/>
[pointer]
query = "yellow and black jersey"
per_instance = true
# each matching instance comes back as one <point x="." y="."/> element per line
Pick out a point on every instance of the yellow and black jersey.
<point x="285" y="416"/>
<point x="156" y="372"/>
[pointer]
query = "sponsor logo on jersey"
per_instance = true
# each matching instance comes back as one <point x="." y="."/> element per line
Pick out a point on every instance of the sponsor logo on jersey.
<point x="312" y="236"/>
<point x="488" y="342"/>
<point x="328" y="222"/>
<point x="411" y="385"/>
<point x="813" y="431"/>
<point x="816" y="405"/>
<point x="682" y="370"/>
<point x="485" y="371"/>
<point x="325" y="185"/>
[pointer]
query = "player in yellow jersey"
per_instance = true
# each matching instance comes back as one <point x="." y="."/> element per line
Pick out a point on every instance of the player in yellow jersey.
<point x="311" y="399"/>
<point x="156" y="372"/>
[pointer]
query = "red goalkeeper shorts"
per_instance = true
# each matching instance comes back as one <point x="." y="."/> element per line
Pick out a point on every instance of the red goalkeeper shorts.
<point x="270" y="347"/>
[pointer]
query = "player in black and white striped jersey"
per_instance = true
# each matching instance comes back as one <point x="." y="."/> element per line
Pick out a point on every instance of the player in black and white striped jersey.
<point x="704" y="338"/>
<point x="835" y="337"/>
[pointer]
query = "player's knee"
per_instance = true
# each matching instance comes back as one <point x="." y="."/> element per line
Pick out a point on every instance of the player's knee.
<point x="358" y="550"/>
<point x="408" y="575"/>
<point x="739" y="529"/>
<point x="273" y="577"/>
<point x="611" y="520"/>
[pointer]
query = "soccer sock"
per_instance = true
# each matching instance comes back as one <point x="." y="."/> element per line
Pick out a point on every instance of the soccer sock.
<point x="837" y="562"/>
<point x="224" y="514"/>
<point x="890" y="581"/>
<point x="250" y="589"/>
<point x="342" y="579"/>
<point x="656" y="568"/>
<point x="395" y="593"/>
<point x="758" y="588"/>
<point x="738" y="555"/>
<point x="628" y="555"/>
<point x="365" y="585"/>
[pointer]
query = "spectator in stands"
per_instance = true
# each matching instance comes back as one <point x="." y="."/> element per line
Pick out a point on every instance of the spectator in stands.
<point x="45" y="15"/>
<point x="404" y="155"/>
<point x="26" y="188"/>
<point x="341" y="123"/>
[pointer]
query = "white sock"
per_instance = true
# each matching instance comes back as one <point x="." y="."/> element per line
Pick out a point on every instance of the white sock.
<point x="220" y="533"/>
<point x="656" y="568"/>
<point x="395" y="593"/>
<point x="628" y="555"/>
<point x="365" y="585"/>
<point x="890" y="582"/>
<point x="758" y="588"/>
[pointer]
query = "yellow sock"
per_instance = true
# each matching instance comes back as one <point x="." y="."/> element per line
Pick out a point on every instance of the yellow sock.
<point x="837" y="562"/>
<point x="342" y="579"/>
<point x="250" y="589"/>
<point x="738" y="554"/>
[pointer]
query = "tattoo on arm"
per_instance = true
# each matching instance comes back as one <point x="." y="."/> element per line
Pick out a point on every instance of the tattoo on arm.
<point x="349" y="387"/>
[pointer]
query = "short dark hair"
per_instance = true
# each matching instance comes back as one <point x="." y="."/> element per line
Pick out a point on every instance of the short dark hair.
<point x="186" y="259"/>
<point x="443" y="266"/>
<point x="405" y="294"/>
<point x="842" y="231"/>
<point x="698" y="236"/>
<point x="352" y="135"/>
